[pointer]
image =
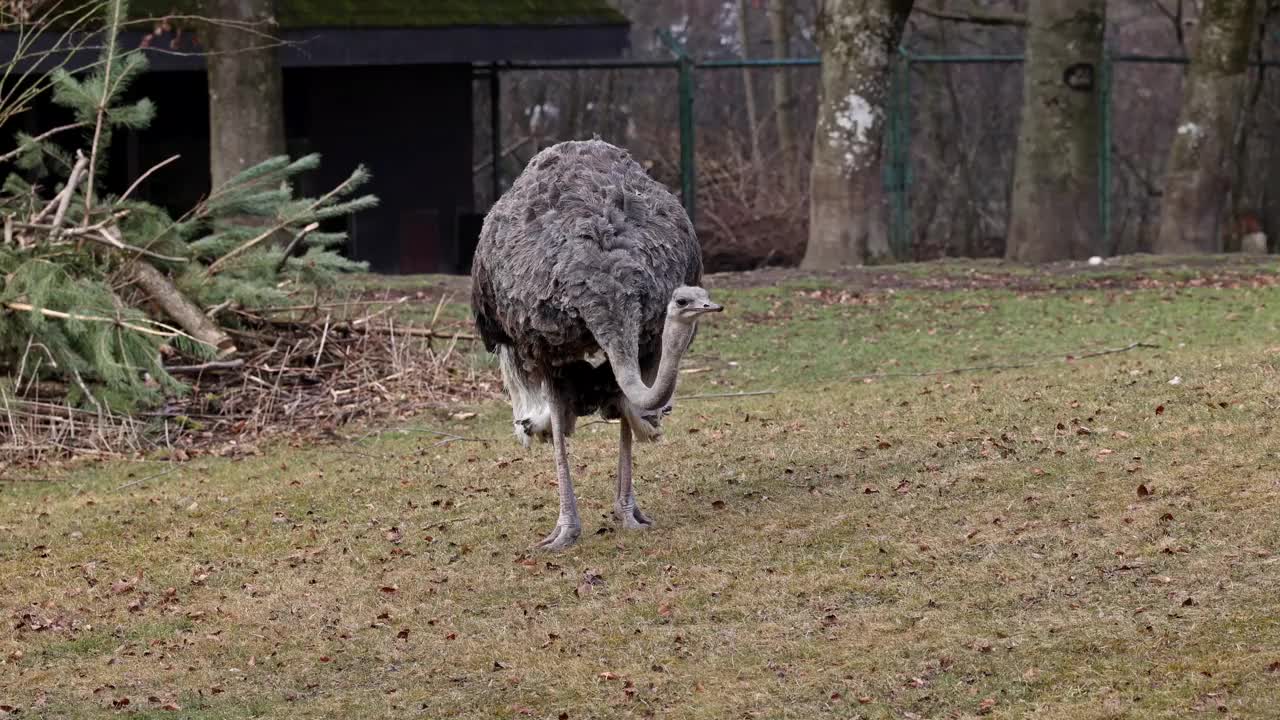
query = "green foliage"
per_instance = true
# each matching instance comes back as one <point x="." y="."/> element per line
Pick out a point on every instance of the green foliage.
<point x="67" y="310"/>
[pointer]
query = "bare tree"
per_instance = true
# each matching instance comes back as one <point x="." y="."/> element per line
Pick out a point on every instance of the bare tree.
<point x="246" y="97"/>
<point x="1054" y="209"/>
<point x="1198" y="177"/>
<point x="857" y="40"/>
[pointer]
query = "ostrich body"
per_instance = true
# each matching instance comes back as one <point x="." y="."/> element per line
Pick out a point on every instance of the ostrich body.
<point x="584" y="284"/>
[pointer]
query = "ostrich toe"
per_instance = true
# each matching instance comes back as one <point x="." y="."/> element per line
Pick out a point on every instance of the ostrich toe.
<point x="629" y="514"/>
<point x="563" y="536"/>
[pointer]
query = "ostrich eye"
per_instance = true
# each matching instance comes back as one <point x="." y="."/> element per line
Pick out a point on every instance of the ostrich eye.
<point x="682" y="302"/>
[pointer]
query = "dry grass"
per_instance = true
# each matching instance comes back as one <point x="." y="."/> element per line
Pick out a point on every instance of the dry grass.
<point x="1078" y="540"/>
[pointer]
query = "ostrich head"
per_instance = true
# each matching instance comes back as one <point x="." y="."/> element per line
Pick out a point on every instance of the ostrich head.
<point x="690" y="303"/>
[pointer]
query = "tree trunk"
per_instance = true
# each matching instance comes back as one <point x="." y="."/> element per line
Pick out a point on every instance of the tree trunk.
<point x="857" y="40"/>
<point x="1197" y="192"/>
<point x="748" y="87"/>
<point x="246" y="98"/>
<point x="1054" y="209"/>
<point x="780" y="37"/>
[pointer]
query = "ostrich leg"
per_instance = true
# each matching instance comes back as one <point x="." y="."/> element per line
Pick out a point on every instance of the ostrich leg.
<point x="624" y="501"/>
<point x="568" y="526"/>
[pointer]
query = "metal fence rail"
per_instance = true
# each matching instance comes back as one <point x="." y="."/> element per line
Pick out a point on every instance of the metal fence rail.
<point x="896" y="170"/>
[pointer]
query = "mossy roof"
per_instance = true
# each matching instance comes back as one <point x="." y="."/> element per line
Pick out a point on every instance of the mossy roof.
<point x="411" y="13"/>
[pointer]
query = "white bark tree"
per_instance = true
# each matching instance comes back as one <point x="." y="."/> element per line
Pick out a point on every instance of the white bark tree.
<point x="857" y="40"/>
<point x="1198" y="177"/>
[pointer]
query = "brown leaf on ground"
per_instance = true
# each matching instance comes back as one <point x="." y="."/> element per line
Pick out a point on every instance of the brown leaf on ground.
<point x="125" y="585"/>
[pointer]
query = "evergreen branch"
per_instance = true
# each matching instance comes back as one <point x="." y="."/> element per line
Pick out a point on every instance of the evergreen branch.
<point x="40" y="138"/>
<point x="258" y="239"/>
<point x="108" y="55"/>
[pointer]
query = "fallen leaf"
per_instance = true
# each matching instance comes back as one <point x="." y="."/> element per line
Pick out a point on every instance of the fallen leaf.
<point x="664" y="609"/>
<point x="1159" y="409"/>
<point x="122" y="586"/>
<point x="1143" y="491"/>
<point x="985" y="706"/>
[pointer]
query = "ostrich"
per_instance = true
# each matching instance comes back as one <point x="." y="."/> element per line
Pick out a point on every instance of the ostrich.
<point x="585" y="285"/>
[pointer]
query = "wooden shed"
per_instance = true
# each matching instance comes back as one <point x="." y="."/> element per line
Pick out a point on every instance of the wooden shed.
<point x="384" y="83"/>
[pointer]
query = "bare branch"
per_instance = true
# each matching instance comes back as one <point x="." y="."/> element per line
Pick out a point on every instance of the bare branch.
<point x="146" y="175"/>
<point x="975" y="17"/>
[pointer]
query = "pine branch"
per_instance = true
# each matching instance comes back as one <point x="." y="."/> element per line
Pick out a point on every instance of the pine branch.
<point x="40" y="138"/>
<point x="261" y="237"/>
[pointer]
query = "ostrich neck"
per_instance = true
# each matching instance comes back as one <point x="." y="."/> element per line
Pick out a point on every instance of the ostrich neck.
<point x="675" y="340"/>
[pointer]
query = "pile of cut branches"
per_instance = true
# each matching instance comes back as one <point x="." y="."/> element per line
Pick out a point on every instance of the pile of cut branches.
<point x="312" y="376"/>
<point x="122" y="327"/>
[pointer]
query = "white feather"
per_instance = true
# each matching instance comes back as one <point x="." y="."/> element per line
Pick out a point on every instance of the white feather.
<point x="530" y="408"/>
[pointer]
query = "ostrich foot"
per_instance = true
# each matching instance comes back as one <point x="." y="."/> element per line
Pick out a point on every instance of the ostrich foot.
<point x="630" y="516"/>
<point x="563" y="536"/>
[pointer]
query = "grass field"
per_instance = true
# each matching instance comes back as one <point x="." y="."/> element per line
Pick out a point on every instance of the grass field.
<point x="1074" y="538"/>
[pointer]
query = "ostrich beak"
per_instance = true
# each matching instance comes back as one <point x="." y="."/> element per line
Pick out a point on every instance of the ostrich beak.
<point x="712" y="307"/>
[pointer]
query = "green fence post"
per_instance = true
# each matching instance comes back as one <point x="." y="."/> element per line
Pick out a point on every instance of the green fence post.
<point x="688" y="173"/>
<point x="688" y="182"/>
